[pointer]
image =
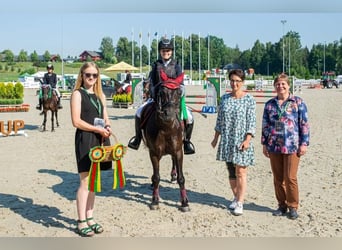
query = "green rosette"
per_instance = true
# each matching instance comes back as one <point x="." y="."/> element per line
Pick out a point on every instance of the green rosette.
<point x="118" y="151"/>
<point x="97" y="154"/>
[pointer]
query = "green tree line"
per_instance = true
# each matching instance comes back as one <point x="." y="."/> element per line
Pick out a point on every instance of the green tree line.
<point x="265" y="58"/>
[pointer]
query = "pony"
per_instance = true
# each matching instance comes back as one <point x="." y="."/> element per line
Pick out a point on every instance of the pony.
<point x="146" y="94"/>
<point x="50" y="100"/>
<point x="163" y="135"/>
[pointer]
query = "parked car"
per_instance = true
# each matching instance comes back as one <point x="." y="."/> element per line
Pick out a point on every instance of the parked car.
<point x="107" y="88"/>
<point x="339" y="79"/>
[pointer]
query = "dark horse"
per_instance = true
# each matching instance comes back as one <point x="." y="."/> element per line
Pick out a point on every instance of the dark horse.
<point x="49" y="103"/>
<point x="163" y="135"/>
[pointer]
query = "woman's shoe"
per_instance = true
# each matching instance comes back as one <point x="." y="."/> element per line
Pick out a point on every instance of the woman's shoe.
<point x="85" y="231"/>
<point x="293" y="213"/>
<point x="238" y="210"/>
<point x="281" y="211"/>
<point x="233" y="205"/>
<point x="97" y="228"/>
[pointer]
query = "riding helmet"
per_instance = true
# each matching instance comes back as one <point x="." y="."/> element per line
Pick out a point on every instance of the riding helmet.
<point x="165" y="44"/>
<point x="49" y="66"/>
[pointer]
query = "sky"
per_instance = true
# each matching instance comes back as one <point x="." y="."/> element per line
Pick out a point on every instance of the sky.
<point x="68" y="27"/>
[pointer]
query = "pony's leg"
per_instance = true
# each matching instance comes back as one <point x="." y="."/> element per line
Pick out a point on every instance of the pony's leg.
<point x="44" y="121"/>
<point x="181" y="182"/>
<point x="56" y="114"/>
<point x="173" y="171"/>
<point x="52" y="121"/>
<point x="155" y="182"/>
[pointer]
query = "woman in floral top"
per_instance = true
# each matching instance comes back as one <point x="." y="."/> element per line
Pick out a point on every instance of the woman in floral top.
<point x="236" y="122"/>
<point x="285" y="137"/>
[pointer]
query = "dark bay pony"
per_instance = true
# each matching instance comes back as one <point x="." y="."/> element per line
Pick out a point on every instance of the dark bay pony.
<point x="49" y="103"/>
<point x="163" y="135"/>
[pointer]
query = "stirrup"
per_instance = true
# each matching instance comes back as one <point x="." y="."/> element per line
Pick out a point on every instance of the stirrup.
<point x="133" y="143"/>
<point x="189" y="148"/>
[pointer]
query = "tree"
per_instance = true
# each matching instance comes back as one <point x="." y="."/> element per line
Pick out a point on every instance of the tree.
<point x="123" y="50"/>
<point x="34" y="56"/>
<point x="22" y="57"/>
<point x="47" y="56"/>
<point x="9" y="56"/>
<point x="258" y="51"/>
<point x="219" y="55"/>
<point x="107" y="49"/>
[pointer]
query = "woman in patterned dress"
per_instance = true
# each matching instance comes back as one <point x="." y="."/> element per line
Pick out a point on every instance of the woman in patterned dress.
<point x="235" y="125"/>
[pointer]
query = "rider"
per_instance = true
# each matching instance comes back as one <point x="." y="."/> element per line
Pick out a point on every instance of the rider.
<point x="50" y="78"/>
<point x="128" y="78"/>
<point x="172" y="69"/>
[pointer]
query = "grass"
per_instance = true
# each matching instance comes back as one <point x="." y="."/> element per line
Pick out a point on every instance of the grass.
<point x="13" y="72"/>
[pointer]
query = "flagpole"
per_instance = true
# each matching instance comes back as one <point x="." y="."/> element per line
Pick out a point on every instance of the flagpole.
<point x="174" y="44"/>
<point x="132" y="33"/>
<point x="140" y="37"/>
<point x="208" y="52"/>
<point x="157" y="52"/>
<point x="199" y="56"/>
<point x="182" y="51"/>
<point x="63" y="82"/>
<point x="190" y="57"/>
<point x="149" y="50"/>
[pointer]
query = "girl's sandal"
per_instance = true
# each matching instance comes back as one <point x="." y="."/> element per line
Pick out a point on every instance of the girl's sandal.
<point x="85" y="231"/>
<point x="97" y="228"/>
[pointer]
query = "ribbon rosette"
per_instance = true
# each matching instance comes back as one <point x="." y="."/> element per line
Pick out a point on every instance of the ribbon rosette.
<point x="119" y="177"/>
<point x="96" y="155"/>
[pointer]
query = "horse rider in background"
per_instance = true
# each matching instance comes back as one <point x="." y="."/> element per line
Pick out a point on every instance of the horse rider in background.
<point x="50" y="78"/>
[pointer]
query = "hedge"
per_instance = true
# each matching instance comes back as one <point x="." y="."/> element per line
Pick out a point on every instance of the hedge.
<point x="11" y="91"/>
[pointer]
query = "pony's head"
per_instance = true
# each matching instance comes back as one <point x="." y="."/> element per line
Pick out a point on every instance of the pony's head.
<point x="47" y="91"/>
<point x="168" y="97"/>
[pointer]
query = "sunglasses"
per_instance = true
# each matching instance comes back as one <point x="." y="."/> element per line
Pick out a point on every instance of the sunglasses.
<point x="88" y="75"/>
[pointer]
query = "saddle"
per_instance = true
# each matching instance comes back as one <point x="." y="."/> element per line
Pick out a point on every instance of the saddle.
<point x="146" y="113"/>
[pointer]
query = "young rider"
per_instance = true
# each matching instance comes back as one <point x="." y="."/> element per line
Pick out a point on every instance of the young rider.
<point x="172" y="69"/>
<point x="50" y="78"/>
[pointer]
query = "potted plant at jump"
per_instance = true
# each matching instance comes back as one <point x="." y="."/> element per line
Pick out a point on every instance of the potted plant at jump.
<point x="122" y="100"/>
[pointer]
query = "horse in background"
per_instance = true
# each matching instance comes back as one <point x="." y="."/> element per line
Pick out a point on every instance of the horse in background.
<point x="163" y="135"/>
<point x="50" y="100"/>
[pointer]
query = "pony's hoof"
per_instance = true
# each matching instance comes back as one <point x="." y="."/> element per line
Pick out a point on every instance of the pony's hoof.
<point x="173" y="179"/>
<point x="184" y="209"/>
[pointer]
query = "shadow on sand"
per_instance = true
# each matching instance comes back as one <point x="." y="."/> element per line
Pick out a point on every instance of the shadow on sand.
<point x="47" y="216"/>
<point x="138" y="190"/>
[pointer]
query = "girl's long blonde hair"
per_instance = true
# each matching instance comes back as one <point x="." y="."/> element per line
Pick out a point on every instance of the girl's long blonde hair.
<point x="97" y="86"/>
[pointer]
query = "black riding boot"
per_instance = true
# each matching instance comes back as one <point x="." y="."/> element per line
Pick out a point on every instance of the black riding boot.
<point x="59" y="105"/>
<point x="134" y="142"/>
<point x="39" y="106"/>
<point x="188" y="146"/>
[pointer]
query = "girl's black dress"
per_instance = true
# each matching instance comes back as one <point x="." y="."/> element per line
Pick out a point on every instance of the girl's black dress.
<point x="85" y="140"/>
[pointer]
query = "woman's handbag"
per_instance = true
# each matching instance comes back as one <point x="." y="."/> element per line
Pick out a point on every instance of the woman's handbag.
<point x="103" y="153"/>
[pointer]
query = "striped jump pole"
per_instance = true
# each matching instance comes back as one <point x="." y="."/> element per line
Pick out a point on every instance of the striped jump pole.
<point x="199" y="99"/>
<point x="260" y="94"/>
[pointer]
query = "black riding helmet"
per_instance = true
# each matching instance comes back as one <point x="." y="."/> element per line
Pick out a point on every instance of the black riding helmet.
<point x="49" y="66"/>
<point x="165" y="44"/>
